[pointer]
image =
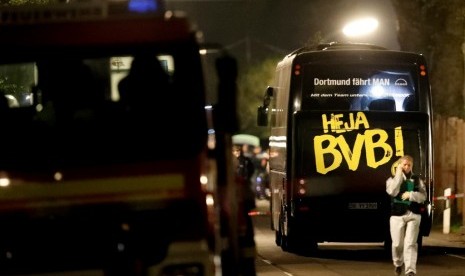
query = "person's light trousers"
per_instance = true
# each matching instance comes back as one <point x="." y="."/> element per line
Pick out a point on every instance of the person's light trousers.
<point x="404" y="234"/>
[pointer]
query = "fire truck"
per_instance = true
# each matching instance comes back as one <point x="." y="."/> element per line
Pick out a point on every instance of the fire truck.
<point x="104" y="163"/>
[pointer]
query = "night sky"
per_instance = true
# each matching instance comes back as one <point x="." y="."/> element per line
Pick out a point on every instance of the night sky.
<point x="253" y="30"/>
<point x="281" y="26"/>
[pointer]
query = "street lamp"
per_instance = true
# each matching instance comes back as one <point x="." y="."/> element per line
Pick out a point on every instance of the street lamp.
<point x="360" y="27"/>
<point x="354" y="29"/>
<point x="367" y="30"/>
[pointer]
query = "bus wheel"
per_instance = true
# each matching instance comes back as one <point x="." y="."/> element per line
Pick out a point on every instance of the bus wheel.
<point x="420" y="244"/>
<point x="285" y="243"/>
<point x="288" y="242"/>
<point x="311" y="246"/>
<point x="387" y="245"/>
<point x="278" y="237"/>
<point x="284" y="240"/>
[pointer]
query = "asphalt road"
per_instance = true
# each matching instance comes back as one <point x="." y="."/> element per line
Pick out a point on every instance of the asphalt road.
<point x="442" y="255"/>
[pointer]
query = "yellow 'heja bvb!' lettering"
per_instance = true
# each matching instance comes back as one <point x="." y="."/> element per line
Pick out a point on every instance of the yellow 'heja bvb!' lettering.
<point x="352" y="155"/>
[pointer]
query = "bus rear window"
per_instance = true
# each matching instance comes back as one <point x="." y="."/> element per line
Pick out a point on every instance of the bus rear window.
<point x="361" y="87"/>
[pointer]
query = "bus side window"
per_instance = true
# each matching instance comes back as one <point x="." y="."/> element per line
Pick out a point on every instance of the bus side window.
<point x="382" y="104"/>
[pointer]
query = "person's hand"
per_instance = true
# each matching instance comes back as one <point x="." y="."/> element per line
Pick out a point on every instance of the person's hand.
<point x="398" y="169"/>
<point x="406" y="196"/>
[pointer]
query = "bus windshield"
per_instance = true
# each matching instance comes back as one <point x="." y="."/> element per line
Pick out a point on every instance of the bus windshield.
<point x="360" y="87"/>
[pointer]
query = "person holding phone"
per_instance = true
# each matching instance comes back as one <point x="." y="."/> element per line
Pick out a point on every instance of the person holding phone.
<point x="407" y="192"/>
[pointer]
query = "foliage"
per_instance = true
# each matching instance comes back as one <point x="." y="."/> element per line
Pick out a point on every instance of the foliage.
<point x="8" y="88"/>
<point x="16" y="79"/>
<point x="251" y="89"/>
<point x="436" y="29"/>
<point x="26" y="2"/>
<point x="314" y="40"/>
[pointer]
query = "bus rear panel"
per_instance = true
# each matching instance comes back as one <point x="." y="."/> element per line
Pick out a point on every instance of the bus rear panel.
<point x="340" y="117"/>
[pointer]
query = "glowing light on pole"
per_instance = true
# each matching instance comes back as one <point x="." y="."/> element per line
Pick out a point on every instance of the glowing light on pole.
<point x="360" y="27"/>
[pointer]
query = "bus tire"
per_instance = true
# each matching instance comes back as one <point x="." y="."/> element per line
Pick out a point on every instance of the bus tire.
<point x="420" y="244"/>
<point x="285" y="240"/>
<point x="278" y="237"/>
<point x="284" y="243"/>
<point x="387" y="245"/>
<point x="288" y="242"/>
<point x="311" y="247"/>
<point x="306" y="247"/>
<point x="271" y="214"/>
<point x="387" y="248"/>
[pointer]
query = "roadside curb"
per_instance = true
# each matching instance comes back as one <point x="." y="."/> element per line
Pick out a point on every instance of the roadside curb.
<point x="437" y="237"/>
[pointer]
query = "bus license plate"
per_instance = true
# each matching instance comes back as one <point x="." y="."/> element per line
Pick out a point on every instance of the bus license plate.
<point x="363" y="205"/>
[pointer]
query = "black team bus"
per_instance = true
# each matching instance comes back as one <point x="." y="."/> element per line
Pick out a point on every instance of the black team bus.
<point x="340" y="116"/>
<point x="104" y="164"/>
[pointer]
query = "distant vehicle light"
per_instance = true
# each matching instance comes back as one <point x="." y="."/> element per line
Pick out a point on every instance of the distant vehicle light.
<point x="4" y="182"/>
<point x="143" y="5"/>
<point x="204" y="180"/>
<point x="58" y="176"/>
<point x="210" y="200"/>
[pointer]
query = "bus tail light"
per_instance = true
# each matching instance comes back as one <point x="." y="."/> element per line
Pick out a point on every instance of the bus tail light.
<point x="302" y="207"/>
<point x="422" y="70"/>
<point x="297" y="69"/>
<point x="301" y="187"/>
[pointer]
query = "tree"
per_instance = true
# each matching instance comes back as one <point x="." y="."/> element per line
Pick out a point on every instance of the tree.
<point x="252" y="85"/>
<point x="26" y="2"/>
<point x="436" y="28"/>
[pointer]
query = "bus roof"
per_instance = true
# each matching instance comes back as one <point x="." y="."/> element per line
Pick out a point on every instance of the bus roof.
<point x="348" y="46"/>
<point x="337" y="51"/>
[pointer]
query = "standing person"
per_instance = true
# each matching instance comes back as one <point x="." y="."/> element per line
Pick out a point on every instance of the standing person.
<point x="247" y="251"/>
<point x="245" y="170"/>
<point x="407" y="192"/>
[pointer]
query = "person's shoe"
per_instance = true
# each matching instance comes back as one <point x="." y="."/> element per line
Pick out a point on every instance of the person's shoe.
<point x="398" y="270"/>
